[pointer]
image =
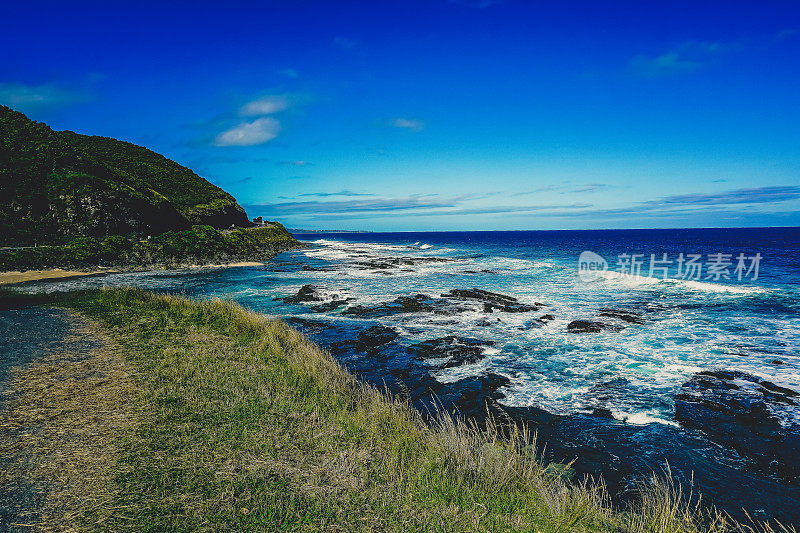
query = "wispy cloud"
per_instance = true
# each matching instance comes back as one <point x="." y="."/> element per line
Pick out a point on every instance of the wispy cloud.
<point x="41" y="97"/>
<point x="480" y="4"/>
<point x="252" y="133"/>
<point x="689" y="205"/>
<point x="725" y="204"/>
<point x="267" y="105"/>
<point x="416" y="205"/>
<point x="296" y="163"/>
<point x="351" y="206"/>
<point x="343" y="192"/>
<point x="409" y="124"/>
<point x="564" y="189"/>
<point x="685" y="57"/>
<point x="345" y="43"/>
<point x="289" y="73"/>
<point x="759" y="195"/>
<point x="592" y="187"/>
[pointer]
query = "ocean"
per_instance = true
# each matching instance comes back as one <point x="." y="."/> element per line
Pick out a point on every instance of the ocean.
<point x="588" y="336"/>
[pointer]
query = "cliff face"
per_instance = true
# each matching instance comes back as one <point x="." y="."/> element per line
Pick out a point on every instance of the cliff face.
<point x="60" y="184"/>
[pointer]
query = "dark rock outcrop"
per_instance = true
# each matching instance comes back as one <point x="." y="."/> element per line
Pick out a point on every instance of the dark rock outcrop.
<point x="626" y="316"/>
<point x="493" y="301"/>
<point x="419" y="303"/>
<point x="314" y="293"/>
<point x="367" y="340"/>
<point x="387" y="263"/>
<point x="590" y="326"/>
<point x="756" y="416"/>
<point x="458" y="350"/>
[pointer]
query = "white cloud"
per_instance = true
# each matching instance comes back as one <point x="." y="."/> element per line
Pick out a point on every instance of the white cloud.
<point x="249" y="133"/>
<point x="45" y="96"/>
<point x="409" y="124"/>
<point x="264" y="106"/>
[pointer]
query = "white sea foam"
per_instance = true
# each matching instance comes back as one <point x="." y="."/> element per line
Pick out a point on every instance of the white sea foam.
<point x="705" y="286"/>
<point x="642" y="418"/>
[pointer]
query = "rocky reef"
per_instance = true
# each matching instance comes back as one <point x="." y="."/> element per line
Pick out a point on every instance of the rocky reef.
<point x="755" y="416"/>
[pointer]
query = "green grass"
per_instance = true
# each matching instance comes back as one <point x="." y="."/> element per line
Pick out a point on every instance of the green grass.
<point x="244" y="424"/>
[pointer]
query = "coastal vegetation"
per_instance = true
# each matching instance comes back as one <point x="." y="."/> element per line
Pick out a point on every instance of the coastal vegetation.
<point x="197" y="245"/>
<point x="58" y="185"/>
<point x="241" y="423"/>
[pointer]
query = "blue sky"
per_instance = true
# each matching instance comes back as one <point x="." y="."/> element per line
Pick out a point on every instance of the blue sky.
<point x="438" y="114"/>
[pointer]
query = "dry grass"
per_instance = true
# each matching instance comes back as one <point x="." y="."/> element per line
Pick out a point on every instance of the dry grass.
<point x="247" y="425"/>
<point x="58" y="430"/>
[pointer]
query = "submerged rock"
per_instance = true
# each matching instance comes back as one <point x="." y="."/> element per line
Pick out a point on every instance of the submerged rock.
<point x="590" y="326"/>
<point x="753" y="415"/>
<point x="458" y="350"/>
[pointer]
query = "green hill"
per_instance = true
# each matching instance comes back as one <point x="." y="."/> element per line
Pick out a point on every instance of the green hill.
<point x="55" y="185"/>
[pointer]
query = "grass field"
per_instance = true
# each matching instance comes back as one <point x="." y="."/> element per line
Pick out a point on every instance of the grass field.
<point x="241" y="423"/>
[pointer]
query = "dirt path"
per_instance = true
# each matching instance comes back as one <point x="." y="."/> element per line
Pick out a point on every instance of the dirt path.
<point x="65" y="398"/>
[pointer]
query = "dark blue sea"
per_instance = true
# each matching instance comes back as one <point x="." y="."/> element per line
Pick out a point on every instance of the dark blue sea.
<point x="666" y="304"/>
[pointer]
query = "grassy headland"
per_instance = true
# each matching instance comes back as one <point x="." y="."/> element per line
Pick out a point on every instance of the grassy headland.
<point x="242" y="423"/>
<point x="57" y="185"/>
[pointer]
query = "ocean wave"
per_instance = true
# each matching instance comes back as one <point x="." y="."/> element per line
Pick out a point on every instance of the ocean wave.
<point x="705" y="286"/>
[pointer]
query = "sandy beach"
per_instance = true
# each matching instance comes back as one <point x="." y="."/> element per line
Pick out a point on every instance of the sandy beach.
<point x="10" y="277"/>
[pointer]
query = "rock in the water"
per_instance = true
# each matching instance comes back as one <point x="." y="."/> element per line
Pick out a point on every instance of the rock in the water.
<point x="314" y="293"/>
<point x="307" y="293"/>
<point x="309" y="268"/>
<point x="419" y="303"/>
<point x="590" y="326"/>
<point x="631" y="317"/>
<point x="328" y="306"/>
<point x="492" y="301"/>
<point x="386" y="263"/>
<point x="603" y="412"/>
<point x="458" y="350"/>
<point x="368" y="339"/>
<point x="536" y="323"/>
<point x="751" y="414"/>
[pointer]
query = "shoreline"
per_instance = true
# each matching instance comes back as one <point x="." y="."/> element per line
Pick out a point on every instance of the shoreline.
<point x="15" y="277"/>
